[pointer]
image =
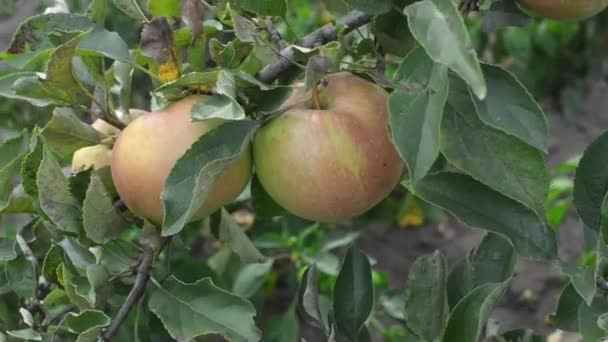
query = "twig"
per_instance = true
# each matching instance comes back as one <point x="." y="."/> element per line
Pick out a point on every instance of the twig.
<point x="55" y="315"/>
<point x="327" y="33"/>
<point x="137" y="291"/>
<point x="274" y="35"/>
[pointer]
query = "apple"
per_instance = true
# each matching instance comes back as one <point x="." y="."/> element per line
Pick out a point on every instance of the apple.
<point x="334" y="162"/>
<point x="96" y="156"/>
<point x="565" y="9"/>
<point x="147" y="149"/>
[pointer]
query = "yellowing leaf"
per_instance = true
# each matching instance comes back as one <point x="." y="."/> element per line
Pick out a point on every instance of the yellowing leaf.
<point x="411" y="214"/>
<point x="168" y="71"/>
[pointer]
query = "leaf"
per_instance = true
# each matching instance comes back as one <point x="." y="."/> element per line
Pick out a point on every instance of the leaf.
<point x="201" y="308"/>
<point x="235" y="238"/>
<point x="415" y="114"/>
<point x="426" y="301"/>
<point x="12" y="152"/>
<point x="591" y="183"/>
<point x="250" y="278"/>
<point x="439" y="28"/>
<point x="493" y="260"/>
<point x="163" y="8"/>
<point x="371" y="6"/>
<point x="282" y="328"/>
<point x="65" y="133"/>
<point x="244" y="29"/>
<point x="78" y="255"/>
<point x="102" y="221"/>
<point x="106" y="43"/>
<point x="21" y="276"/>
<point x="59" y="81"/>
<point x="123" y="74"/>
<point x="27" y="334"/>
<point x="588" y="320"/>
<point x="217" y="106"/>
<point x="37" y="32"/>
<point x="308" y="299"/>
<point x="263" y="204"/>
<point x="393" y="34"/>
<point x="52" y="259"/>
<point x="130" y="8"/>
<point x="510" y="108"/>
<point x="118" y="256"/>
<point x="6" y="88"/>
<point x="469" y="317"/>
<point x="353" y="293"/>
<point x="501" y="161"/>
<point x="55" y="199"/>
<point x="262" y="8"/>
<point x="157" y="40"/>
<point x="76" y="288"/>
<point x="582" y="278"/>
<point x="194" y="174"/>
<point x="87" y="324"/>
<point x="7" y="248"/>
<point x="30" y="166"/>
<point x="97" y="12"/>
<point x="481" y="207"/>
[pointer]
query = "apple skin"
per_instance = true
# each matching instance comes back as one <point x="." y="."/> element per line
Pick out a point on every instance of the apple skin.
<point x="96" y="156"/>
<point x="147" y="149"/>
<point x="334" y="163"/>
<point x="565" y="9"/>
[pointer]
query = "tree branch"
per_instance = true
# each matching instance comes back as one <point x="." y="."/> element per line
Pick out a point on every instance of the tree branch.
<point x="137" y="291"/>
<point x="327" y="33"/>
<point x="274" y="35"/>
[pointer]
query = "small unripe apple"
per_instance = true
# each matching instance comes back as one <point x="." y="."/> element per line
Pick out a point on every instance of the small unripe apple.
<point x="334" y="162"/>
<point x="147" y="149"/>
<point x="565" y="9"/>
<point x="96" y="156"/>
<point x="105" y="128"/>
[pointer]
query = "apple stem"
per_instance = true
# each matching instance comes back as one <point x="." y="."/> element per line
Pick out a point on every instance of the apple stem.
<point x="315" y="97"/>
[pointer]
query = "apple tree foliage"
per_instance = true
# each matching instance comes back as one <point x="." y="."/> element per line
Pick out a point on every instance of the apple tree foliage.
<point x="473" y="138"/>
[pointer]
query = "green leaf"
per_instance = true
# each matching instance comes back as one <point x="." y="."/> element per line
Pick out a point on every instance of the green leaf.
<point x="522" y="335"/>
<point x="460" y="282"/>
<point x="195" y="173"/>
<point x="79" y="255"/>
<point x="79" y="183"/>
<point x="164" y="8"/>
<point x="371" y="6"/>
<point x="308" y="299"/>
<point x="196" y="80"/>
<point x="21" y="276"/>
<point x="481" y="207"/>
<point x="262" y="7"/>
<point x="393" y="34"/>
<point x="30" y="166"/>
<point x="52" y="260"/>
<point x="591" y="183"/>
<point x="501" y="161"/>
<point x="201" y="308"/>
<point x="123" y="74"/>
<point x="55" y="199"/>
<point x="8" y="251"/>
<point x="588" y="320"/>
<point x="76" y="288"/>
<point x="263" y="204"/>
<point x="38" y="32"/>
<point x="97" y="11"/>
<point x="493" y="260"/>
<point x="237" y="240"/>
<point x="353" y="293"/>
<point x="65" y="133"/>
<point x="416" y="109"/>
<point x="106" y="43"/>
<point x="439" y="28"/>
<point x="282" y="328"/>
<point x="12" y="152"/>
<point x="510" y="108"/>
<point x="27" y="334"/>
<point x="583" y="278"/>
<point x="18" y="202"/>
<point x="217" y="106"/>
<point x="250" y="278"/>
<point x="6" y="88"/>
<point x="87" y="324"/>
<point x="130" y="8"/>
<point x="244" y="29"/>
<point x="469" y="317"/>
<point x="566" y="314"/>
<point x="102" y="221"/>
<point x="426" y="300"/>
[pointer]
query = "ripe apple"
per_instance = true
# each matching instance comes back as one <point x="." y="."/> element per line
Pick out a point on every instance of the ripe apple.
<point x="334" y="162"/>
<point x="147" y="149"/>
<point x="96" y="156"/>
<point x="565" y="9"/>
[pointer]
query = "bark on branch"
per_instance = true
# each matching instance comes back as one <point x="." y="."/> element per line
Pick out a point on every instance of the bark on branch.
<point x="325" y="34"/>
